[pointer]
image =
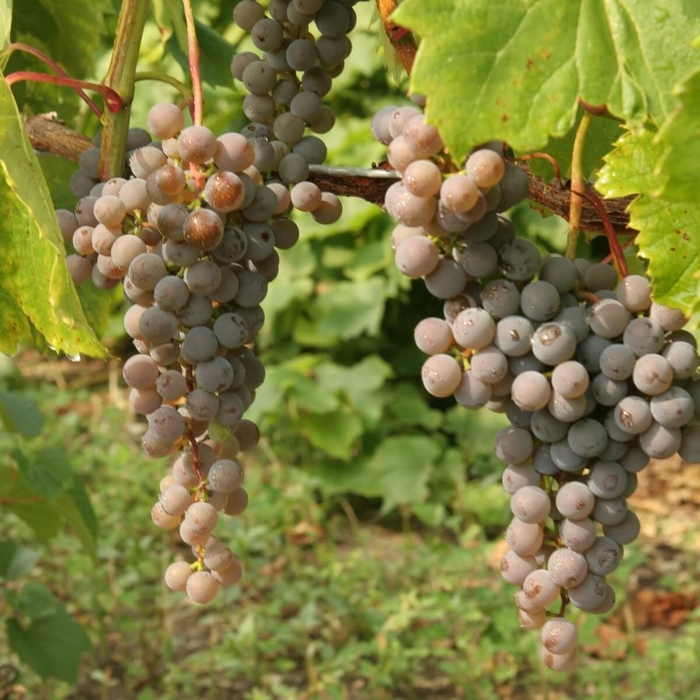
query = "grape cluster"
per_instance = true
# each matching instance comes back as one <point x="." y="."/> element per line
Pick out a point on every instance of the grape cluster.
<point x="193" y="236"/>
<point x="594" y="377"/>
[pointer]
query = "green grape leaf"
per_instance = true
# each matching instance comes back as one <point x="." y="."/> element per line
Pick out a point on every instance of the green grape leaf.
<point x="667" y="237"/>
<point x="5" y="23"/>
<point x="519" y="68"/>
<point x="70" y="30"/>
<point x="53" y="646"/>
<point x="47" y="470"/>
<point x="215" y="57"/>
<point x="35" y="601"/>
<point x="335" y="433"/>
<point x="20" y="415"/>
<point x="171" y="20"/>
<point x="32" y="268"/>
<point x="74" y="508"/>
<point x="16" y="560"/>
<point x="679" y="168"/>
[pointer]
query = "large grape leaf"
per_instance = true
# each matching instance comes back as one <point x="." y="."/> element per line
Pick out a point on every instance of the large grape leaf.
<point x="515" y="69"/>
<point x="679" y="169"/>
<point x="668" y="230"/>
<point x="32" y="267"/>
<point x="70" y="30"/>
<point x="5" y="23"/>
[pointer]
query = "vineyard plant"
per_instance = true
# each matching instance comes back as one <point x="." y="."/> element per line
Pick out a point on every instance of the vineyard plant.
<point x="349" y="349"/>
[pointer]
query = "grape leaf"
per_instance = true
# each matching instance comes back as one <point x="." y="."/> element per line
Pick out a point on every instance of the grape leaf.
<point x="52" y="646"/>
<point x="515" y="70"/>
<point x="32" y="268"/>
<point x="15" y="560"/>
<point x="5" y="23"/>
<point x="20" y="415"/>
<point x="667" y="229"/>
<point x="215" y="57"/>
<point x="171" y="20"/>
<point x="48" y="470"/>
<point x="71" y="31"/>
<point x="679" y="168"/>
<point x="335" y="433"/>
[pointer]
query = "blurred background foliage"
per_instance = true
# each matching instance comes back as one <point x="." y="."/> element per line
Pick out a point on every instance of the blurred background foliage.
<point x="371" y="542"/>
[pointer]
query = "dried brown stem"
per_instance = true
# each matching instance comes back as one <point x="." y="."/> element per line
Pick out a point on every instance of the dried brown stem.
<point x="402" y="40"/>
<point x="49" y="135"/>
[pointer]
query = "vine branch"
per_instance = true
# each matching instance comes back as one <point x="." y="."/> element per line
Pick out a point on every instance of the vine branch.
<point x="193" y="61"/>
<point x="578" y="184"/>
<point x="49" y="135"/>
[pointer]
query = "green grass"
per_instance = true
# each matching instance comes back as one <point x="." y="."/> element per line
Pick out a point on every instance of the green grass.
<point x="334" y="604"/>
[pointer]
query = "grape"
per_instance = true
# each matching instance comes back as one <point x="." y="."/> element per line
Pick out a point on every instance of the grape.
<point x="230" y="575"/>
<point x="690" y="444"/>
<point x="539" y="588"/>
<point x="660" y="442"/>
<point x="559" y="272"/>
<point x="445" y="281"/>
<point x="500" y="298"/>
<point x="683" y="359"/>
<point x="225" y="476"/>
<point x="567" y="568"/>
<point x="643" y="336"/>
<point x="517" y="476"/>
<point x="485" y="167"/>
<point x="489" y="365"/>
<point x="214" y="375"/>
<point x="652" y="374"/>
<point x="672" y="409"/>
<point x="516" y="416"/>
<point x="407" y="208"/>
<point x="311" y="148"/>
<point x="423" y="138"/>
<point x="519" y="260"/>
<point x="171" y="385"/>
<point x="625" y="531"/>
<point x="553" y="343"/>
<point x="669" y="319"/>
<point x="79" y="268"/>
<point x="575" y="500"/>
<point x="565" y="458"/>
<point x="433" y="336"/>
<point x="146" y="270"/>
<point x="539" y="301"/>
<point x="524" y="538"/>
<point x="166" y="424"/>
<point x="422" y="178"/>
<point x="380" y="124"/>
<point x="531" y="391"/>
<point x="607" y="479"/>
<point x="202" y="405"/>
<point x="590" y="351"/>
<point x="634" y="292"/>
<point x="478" y="259"/>
<point x="608" y="392"/>
<point x="459" y="193"/>
<point x="514" y="187"/>
<point x="200" y="344"/>
<point x="632" y="415"/>
<point x="441" y="375"/>
<point x="578" y="535"/>
<point x="570" y="379"/>
<point x="530" y="504"/>
<point x="513" y="445"/>
<point x="546" y="427"/>
<point x="176" y="575"/>
<point x="599" y="277"/>
<point x="608" y="318"/>
<point x="474" y="328"/>
<point x="125" y="249"/>
<point x="610" y="512"/>
<point x="162" y="520"/>
<point x="418" y="256"/>
<point x="236" y="502"/>
<point x="587" y="438"/>
<point x="330" y="209"/>
<point x="515" y="568"/>
<point x="574" y="318"/>
<point x="559" y="636"/>
<point x="513" y="336"/>
<point x="165" y="120"/>
<point x="566" y="410"/>
<point x="157" y="326"/>
<point x="201" y="586"/>
<point x="604" y="556"/>
<point x="140" y="372"/>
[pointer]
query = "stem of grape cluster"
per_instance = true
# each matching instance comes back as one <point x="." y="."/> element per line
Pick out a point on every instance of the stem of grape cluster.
<point x="193" y="61"/>
<point x="19" y="46"/>
<point x="578" y="185"/>
<point x="120" y="78"/>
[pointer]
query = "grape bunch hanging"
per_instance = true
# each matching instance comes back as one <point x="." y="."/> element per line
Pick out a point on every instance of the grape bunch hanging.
<point x="193" y="237"/>
<point x="594" y="377"/>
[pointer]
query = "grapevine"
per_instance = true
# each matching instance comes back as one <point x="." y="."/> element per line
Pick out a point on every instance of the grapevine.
<point x="595" y="372"/>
